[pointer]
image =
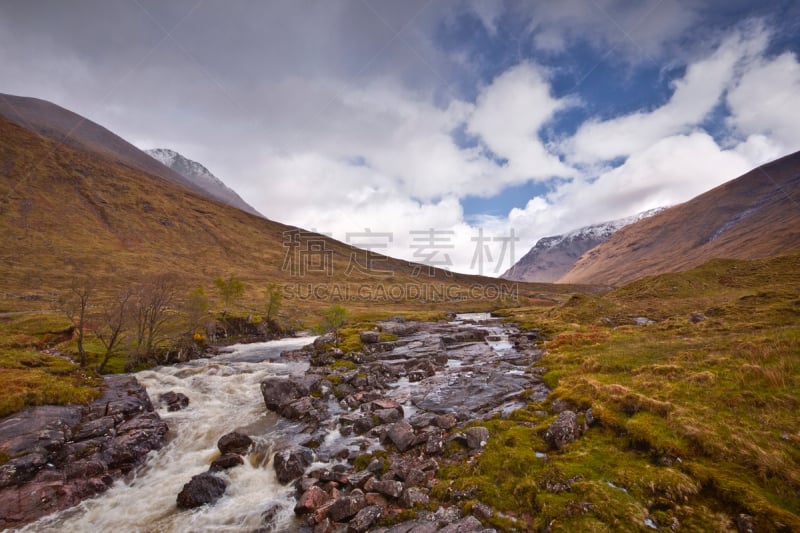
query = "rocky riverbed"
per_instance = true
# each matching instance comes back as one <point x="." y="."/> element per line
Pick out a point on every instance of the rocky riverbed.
<point x="375" y="431"/>
<point x="275" y="437"/>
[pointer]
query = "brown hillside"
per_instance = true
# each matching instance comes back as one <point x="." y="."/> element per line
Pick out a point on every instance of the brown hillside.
<point x="756" y="215"/>
<point x="65" y="211"/>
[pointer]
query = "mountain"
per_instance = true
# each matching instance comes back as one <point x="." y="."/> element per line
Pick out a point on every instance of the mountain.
<point x="201" y="177"/>
<point x="78" y="205"/>
<point x="67" y="128"/>
<point x="753" y="216"/>
<point x="552" y="257"/>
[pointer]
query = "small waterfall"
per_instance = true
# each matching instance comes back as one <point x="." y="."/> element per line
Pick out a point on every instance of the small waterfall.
<point x="224" y="396"/>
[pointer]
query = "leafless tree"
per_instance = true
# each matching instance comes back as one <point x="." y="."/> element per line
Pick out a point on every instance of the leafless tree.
<point x="75" y="304"/>
<point x="110" y="324"/>
<point x="151" y="304"/>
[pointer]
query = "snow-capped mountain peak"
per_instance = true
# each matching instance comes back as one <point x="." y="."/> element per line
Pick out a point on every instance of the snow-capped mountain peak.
<point x="200" y="176"/>
<point x="552" y="257"/>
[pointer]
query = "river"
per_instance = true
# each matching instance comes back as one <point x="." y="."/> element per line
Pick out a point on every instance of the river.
<point x="224" y="396"/>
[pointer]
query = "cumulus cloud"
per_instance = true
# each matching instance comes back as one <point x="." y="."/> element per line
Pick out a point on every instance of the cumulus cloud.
<point x="508" y="116"/>
<point x="766" y="100"/>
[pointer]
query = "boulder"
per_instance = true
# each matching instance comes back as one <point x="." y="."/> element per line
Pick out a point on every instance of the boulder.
<point x="311" y="500"/>
<point x="413" y="496"/>
<point x="236" y="443"/>
<point x="370" y="337"/>
<point x="202" y="489"/>
<point x="324" y="340"/>
<point x="226" y="461"/>
<point x="477" y="437"/>
<point x="465" y="525"/>
<point x="402" y="435"/>
<point x="362" y="521"/>
<point x="278" y="392"/>
<point x="393" y="489"/>
<point x="563" y="431"/>
<point x="175" y="401"/>
<point x="291" y="463"/>
<point x="347" y="506"/>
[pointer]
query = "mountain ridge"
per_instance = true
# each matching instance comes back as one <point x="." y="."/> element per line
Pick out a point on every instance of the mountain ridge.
<point x="553" y="256"/>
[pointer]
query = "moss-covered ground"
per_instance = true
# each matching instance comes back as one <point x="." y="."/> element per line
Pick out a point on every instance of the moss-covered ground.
<point x="696" y="419"/>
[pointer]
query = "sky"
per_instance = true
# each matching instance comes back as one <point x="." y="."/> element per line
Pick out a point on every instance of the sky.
<point x="457" y="132"/>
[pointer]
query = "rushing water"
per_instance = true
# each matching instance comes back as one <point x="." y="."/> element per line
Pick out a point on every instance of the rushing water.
<point x="224" y="396"/>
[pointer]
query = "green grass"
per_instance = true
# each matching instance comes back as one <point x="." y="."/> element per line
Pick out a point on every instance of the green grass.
<point x="696" y="421"/>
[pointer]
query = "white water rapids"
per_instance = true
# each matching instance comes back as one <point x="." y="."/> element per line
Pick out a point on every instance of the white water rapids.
<point x="224" y="396"/>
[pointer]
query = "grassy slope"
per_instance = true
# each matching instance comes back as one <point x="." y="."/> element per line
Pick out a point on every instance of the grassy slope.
<point x="696" y="421"/>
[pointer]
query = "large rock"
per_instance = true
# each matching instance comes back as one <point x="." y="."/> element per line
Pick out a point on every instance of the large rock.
<point x="563" y="430"/>
<point x="413" y="496"/>
<point x="226" y="461"/>
<point x="311" y="500"/>
<point x="291" y="463"/>
<point x="278" y="392"/>
<point x="175" y="401"/>
<point x="370" y="337"/>
<point x="362" y="521"/>
<point x="347" y="506"/>
<point x="234" y="442"/>
<point x="402" y="435"/>
<point x="477" y="437"/>
<point x="202" y="489"/>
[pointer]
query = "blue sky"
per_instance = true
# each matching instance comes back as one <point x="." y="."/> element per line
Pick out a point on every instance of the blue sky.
<point x="458" y="115"/>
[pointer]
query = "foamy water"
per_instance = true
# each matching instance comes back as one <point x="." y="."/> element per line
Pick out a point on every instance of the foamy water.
<point x="224" y="396"/>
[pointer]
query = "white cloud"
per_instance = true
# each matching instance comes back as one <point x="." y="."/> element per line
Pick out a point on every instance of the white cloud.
<point x="695" y="96"/>
<point x="508" y="116"/>
<point x="766" y="100"/>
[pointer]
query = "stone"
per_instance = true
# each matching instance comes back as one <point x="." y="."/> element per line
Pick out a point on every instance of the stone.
<point x="588" y="417"/>
<point x="175" y="401"/>
<point x="413" y="496"/>
<point x="226" y="461"/>
<point x="370" y="337"/>
<point x="234" y="442"/>
<point x="291" y="463"/>
<point x="311" y="500"/>
<point x="694" y="318"/>
<point x="563" y="430"/>
<point x="477" y="437"/>
<point x="347" y="506"/>
<point x="95" y="428"/>
<point x="387" y="416"/>
<point x="402" y="435"/>
<point x="434" y="445"/>
<point x="362" y="521"/>
<point x="643" y="321"/>
<point x="482" y="511"/>
<point x="744" y="523"/>
<point x="202" y="489"/>
<point x="393" y="489"/>
<point x="278" y="392"/>
<point x="465" y="525"/>
<point x="445" y="422"/>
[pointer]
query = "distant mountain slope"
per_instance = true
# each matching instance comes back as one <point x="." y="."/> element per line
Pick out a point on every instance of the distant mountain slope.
<point x="753" y="216"/>
<point x="201" y="177"/>
<point x="63" y="126"/>
<point x="552" y="257"/>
